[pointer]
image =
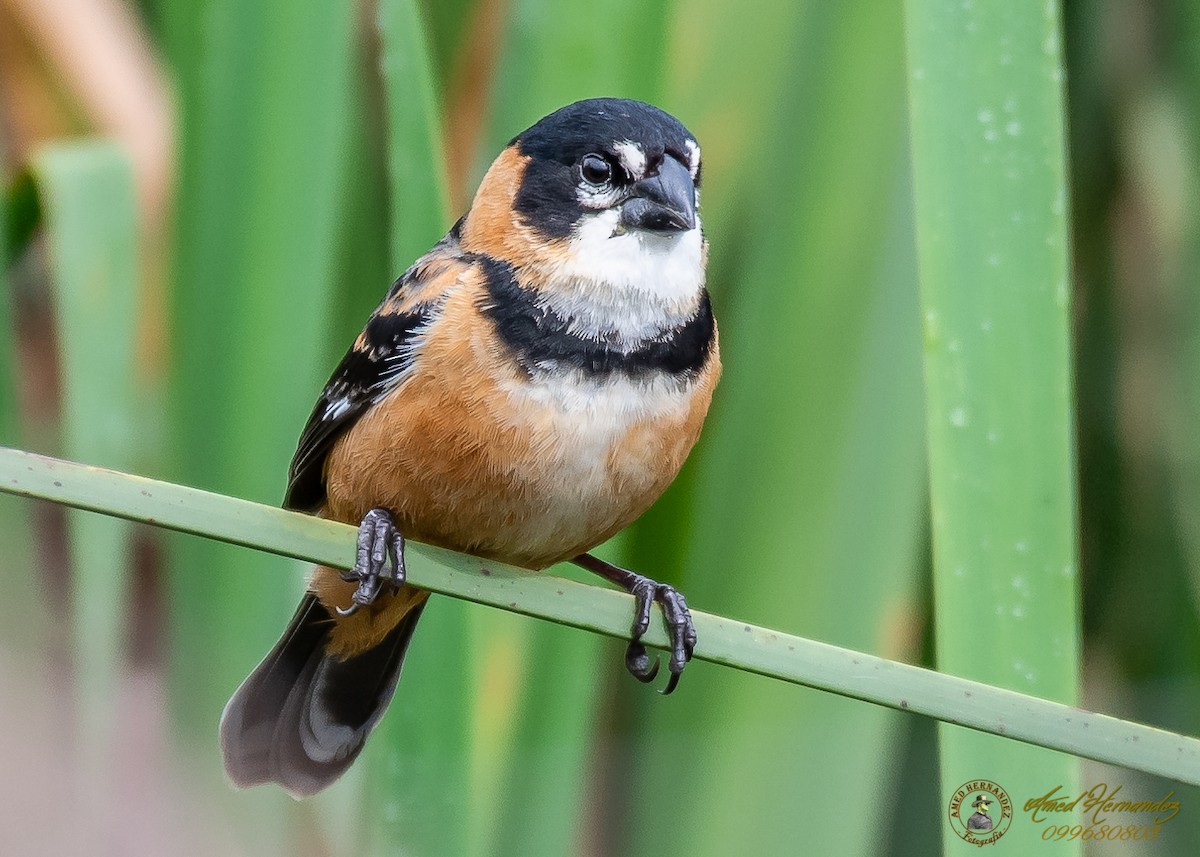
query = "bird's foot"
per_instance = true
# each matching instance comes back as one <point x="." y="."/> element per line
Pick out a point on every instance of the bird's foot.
<point x="675" y="613"/>
<point x="380" y="560"/>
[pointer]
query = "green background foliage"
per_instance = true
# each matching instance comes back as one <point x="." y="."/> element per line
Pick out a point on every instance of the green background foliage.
<point x="322" y="146"/>
<point x="990" y="203"/>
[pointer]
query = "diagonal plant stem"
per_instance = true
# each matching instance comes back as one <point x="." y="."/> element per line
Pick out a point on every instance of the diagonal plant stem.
<point x="722" y="640"/>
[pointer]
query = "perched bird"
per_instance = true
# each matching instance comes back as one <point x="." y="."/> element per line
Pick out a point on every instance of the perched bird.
<point x="524" y="391"/>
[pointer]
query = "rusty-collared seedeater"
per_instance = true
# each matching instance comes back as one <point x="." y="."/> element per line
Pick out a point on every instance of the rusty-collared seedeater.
<point x="524" y="391"/>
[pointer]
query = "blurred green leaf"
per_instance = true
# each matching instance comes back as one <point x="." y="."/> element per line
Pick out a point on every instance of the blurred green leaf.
<point x="416" y="160"/>
<point x="448" y="23"/>
<point x="21" y="217"/>
<point x="1185" y="447"/>
<point x="988" y="153"/>
<point x="87" y="199"/>
<point x="364" y="267"/>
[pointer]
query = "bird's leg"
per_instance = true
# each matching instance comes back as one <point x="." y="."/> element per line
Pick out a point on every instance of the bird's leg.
<point x="645" y="592"/>
<point x="380" y="560"/>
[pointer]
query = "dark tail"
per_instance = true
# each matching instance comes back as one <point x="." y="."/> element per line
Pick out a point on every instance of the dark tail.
<point x="302" y="716"/>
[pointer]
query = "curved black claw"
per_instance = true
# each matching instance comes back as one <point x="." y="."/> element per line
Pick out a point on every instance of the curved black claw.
<point x="380" y="560"/>
<point x="638" y="662"/>
<point x="683" y="632"/>
<point x="675" y="613"/>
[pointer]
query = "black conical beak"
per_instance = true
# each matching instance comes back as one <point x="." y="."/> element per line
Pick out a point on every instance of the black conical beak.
<point x="664" y="202"/>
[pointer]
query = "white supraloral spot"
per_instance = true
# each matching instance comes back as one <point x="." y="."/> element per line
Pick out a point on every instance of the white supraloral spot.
<point x="633" y="159"/>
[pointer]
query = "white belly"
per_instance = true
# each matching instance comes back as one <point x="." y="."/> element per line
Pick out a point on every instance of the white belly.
<point x="581" y="463"/>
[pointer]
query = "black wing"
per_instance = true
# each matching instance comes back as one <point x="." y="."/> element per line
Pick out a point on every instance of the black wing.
<point x="370" y="370"/>
<point x="372" y="367"/>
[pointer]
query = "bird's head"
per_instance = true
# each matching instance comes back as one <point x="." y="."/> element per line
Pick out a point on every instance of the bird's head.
<point x="602" y="193"/>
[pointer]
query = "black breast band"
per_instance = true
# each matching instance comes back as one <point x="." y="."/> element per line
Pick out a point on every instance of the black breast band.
<point x="539" y="338"/>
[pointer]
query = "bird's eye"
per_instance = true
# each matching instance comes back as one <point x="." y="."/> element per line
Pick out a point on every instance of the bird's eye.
<point x="595" y="169"/>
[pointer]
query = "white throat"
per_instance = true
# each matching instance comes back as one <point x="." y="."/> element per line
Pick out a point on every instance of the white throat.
<point x="626" y="286"/>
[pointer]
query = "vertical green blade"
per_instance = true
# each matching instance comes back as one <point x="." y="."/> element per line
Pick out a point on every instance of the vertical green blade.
<point x="87" y="200"/>
<point x="986" y="99"/>
<point x="1185" y="446"/>
<point x="416" y="163"/>
<point x="447" y="24"/>
<point x="364" y="267"/>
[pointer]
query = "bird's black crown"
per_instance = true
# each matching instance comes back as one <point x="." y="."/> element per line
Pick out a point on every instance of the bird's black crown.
<point x="570" y="132"/>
